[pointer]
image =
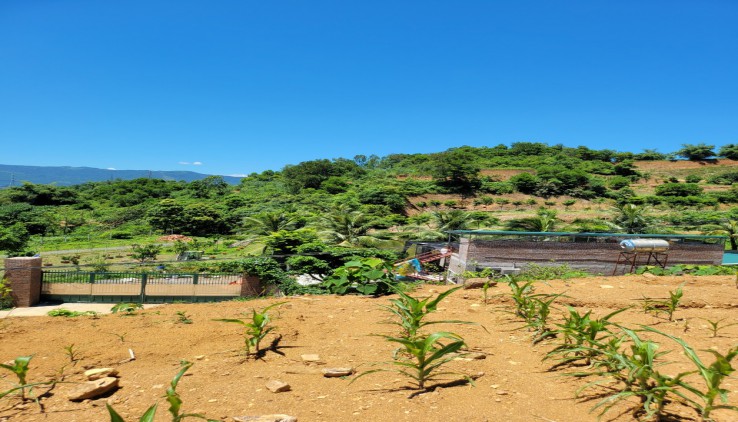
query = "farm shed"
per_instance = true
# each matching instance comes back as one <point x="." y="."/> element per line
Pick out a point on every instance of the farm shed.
<point x="597" y="253"/>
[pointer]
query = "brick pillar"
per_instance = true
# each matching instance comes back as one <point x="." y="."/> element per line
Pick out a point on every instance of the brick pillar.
<point x="250" y="286"/>
<point x="24" y="275"/>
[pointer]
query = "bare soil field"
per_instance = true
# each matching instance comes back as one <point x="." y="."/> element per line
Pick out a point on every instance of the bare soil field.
<point x="512" y="381"/>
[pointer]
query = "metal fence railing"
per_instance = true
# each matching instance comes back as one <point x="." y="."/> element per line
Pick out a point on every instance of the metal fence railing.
<point x="143" y="287"/>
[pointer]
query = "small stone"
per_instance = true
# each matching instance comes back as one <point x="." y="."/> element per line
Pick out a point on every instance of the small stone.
<point x="606" y="286"/>
<point x="337" y="372"/>
<point x="277" y="386"/>
<point x="92" y="389"/>
<point x="310" y="358"/>
<point x="478" y="283"/>
<point x="265" y="418"/>
<point x="199" y="357"/>
<point x="502" y="393"/>
<point x="97" y="373"/>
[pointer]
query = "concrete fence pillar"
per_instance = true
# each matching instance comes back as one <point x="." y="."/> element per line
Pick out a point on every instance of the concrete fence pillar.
<point x="24" y="277"/>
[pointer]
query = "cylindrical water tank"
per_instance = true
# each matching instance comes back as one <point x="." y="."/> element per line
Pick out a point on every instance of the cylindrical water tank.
<point x="644" y="245"/>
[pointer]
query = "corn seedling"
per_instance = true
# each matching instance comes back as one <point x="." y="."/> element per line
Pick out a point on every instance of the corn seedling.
<point x="256" y="329"/>
<point x="126" y="308"/>
<point x="716" y="326"/>
<point x="72" y="353"/>
<point x="183" y="318"/>
<point x="666" y="306"/>
<point x="411" y="311"/>
<point x="536" y="316"/>
<point x="713" y="376"/>
<point x="638" y="371"/>
<point x="582" y="337"/>
<point x="20" y="369"/>
<point x="423" y="356"/>
<point x="175" y="403"/>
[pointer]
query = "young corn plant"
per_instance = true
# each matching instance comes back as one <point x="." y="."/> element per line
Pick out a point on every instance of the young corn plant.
<point x="638" y="371"/>
<point x="713" y="375"/>
<point x="411" y="311"/>
<point x="420" y="356"/>
<point x="716" y="326"/>
<point x="20" y="369"/>
<point x="423" y="356"/>
<point x="664" y="306"/>
<point x="536" y="315"/>
<point x="256" y="329"/>
<point x="183" y="318"/>
<point x="175" y="403"/>
<point x="582" y="337"/>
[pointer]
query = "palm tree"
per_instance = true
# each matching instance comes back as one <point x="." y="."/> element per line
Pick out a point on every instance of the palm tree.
<point x="453" y="220"/>
<point x="345" y="226"/>
<point x="260" y="226"/>
<point x="727" y="228"/>
<point x="544" y="221"/>
<point x="633" y="218"/>
<point x="269" y="222"/>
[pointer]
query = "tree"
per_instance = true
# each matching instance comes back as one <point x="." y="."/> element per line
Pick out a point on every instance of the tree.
<point x="696" y="152"/>
<point x="144" y="253"/>
<point x="544" y="221"/>
<point x="678" y="189"/>
<point x="343" y="226"/>
<point x="14" y="238"/>
<point x="729" y="151"/>
<point x="632" y="218"/>
<point x="453" y="220"/>
<point x="727" y="228"/>
<point x="457" y="170"/>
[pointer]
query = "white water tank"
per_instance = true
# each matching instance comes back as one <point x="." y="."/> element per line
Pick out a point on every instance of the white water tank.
<point x="644" y="245"/>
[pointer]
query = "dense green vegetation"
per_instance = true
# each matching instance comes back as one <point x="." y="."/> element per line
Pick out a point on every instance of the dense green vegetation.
<point x="316" y="215"/>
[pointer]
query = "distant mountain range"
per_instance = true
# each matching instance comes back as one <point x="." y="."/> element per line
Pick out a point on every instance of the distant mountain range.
<point x="64" y="176"/>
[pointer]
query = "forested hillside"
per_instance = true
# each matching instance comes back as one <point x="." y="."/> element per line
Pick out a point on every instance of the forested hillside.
<point x="383" y="201"/>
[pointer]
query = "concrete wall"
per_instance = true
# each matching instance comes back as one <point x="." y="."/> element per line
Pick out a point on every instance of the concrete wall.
<point x="594" y="257"/>
<point x="24" y="275"/>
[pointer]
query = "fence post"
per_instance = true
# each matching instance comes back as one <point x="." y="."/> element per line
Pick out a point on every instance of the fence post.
<point x="144" y="277"/>
<point x="250" y="285"/>
<point x="24" y="277"/>
<point x="195" y="277"/>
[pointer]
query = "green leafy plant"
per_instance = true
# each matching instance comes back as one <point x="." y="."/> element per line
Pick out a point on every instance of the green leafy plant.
<point x="175" y="403"/>
<point x="369" y="276"/>
<point x="70" y="314"/>
<point x="713" y="376"/>
<point x="666" y="306"/>
<point x="6" y="298"/>
<point x="72" y="353"/>
<point x="420" y="356"/>
<point x="411" y="311"/>
<point x="183" y="318"/>
<point x="423" y="356"/>
<point x="582" y="337"/>
<point x="126" y="308"/>
<point x="256" y="329"/>
<point x="20" y="369"/>
<point x="637" y="370"/>
<point x="716" y="326"/>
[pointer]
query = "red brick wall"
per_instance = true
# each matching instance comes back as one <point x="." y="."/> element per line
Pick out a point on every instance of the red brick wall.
<point x="24" y="275"/>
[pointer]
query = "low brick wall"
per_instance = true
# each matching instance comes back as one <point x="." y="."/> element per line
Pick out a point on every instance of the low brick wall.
<point x="594" y="257"/>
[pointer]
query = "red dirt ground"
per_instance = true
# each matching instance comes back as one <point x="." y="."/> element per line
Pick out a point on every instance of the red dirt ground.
<point x="515" y="386"/>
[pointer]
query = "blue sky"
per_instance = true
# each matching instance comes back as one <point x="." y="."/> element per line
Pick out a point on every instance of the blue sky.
<point x="237" y="86"/>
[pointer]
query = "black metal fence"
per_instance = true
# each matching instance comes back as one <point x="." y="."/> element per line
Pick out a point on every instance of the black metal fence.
<point x="114" y="287"/>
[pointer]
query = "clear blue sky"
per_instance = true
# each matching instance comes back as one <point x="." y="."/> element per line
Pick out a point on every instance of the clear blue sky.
<point x="242" y="86"/>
